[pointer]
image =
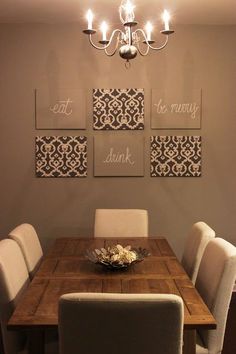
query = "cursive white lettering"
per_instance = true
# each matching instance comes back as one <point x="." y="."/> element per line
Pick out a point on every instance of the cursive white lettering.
<point x="62" y="107"/>
<point x="119" y="157"/>
<point x="161" y="108"/>
<point x="190" y="108"/>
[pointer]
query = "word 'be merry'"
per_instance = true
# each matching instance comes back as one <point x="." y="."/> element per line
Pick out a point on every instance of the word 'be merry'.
<point x="190" y="108"/>
<point x="62" y="107"/>
<point x="119" y="157"/>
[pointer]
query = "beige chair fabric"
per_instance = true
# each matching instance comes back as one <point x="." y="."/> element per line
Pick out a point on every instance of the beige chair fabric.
<point x="215" y="282"/>
<point x="120" y="323"/>
<point x="14" y="279"/>
<point x="199" y="236"/>
<point x="27" y="238"/>
<point x="121" y="223"/>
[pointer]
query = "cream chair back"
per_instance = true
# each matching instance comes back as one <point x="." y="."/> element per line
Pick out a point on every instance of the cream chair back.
<point x="120" y="323"/>
<point x="121" y="223"/>
<point x="14" y="279"/>
<point x="199" y="236"/>
<point x="215" y="282"/>
<point x="27" y="238"/>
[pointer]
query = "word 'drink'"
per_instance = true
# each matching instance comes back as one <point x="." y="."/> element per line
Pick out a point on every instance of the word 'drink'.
<point x="118" y="157"/>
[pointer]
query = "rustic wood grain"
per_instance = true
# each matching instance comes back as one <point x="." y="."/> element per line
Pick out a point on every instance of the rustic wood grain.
<point x="66" y="270"/>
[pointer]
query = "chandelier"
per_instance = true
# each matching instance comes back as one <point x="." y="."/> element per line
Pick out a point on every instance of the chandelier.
<point x="129" y="39"/>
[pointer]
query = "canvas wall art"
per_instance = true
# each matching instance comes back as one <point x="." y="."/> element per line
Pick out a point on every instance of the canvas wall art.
<point x="175" y="156"/>
<point x="61" y="109"/>
<point x="118" y="109"/>
<point x="61" y="156"/>
<point x="176" y="110"/>
<point x="118" y="155"/>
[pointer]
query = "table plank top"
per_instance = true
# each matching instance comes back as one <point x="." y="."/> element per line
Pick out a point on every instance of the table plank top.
<point x="76" y="247"/>
<point x="65" y="270"/>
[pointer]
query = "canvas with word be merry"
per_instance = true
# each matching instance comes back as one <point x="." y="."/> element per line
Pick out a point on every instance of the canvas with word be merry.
<point x="176" y="109"/>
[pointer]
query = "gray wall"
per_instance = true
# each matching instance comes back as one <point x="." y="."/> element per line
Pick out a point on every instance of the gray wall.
<point x="51" y="56"/>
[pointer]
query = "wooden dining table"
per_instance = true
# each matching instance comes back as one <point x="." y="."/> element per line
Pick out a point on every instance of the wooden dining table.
<point x="66" y="269"/>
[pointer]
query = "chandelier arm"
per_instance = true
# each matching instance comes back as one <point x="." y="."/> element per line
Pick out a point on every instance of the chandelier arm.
<point x="162" y="46"/>
<point x="143" y="53"/>
<point x="140" y="51"/>
<point x="115" y="49"/>
<point x="108" y="44"/>
<point x="148" y="44"/>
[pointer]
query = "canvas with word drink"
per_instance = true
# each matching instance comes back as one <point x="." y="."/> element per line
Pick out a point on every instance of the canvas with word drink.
<point x="60" y="109"/>
<point x="176" y="109"/>
<point x="118" y="155"/>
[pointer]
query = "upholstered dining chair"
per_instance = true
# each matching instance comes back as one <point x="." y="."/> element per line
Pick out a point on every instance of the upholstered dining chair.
<point x="121" y="223"/>
<point x="215" y="282"/>
<point x="199" y="236"/>
<point x="120" y="323"/>
<point x="27" y="238"/>
<point x="14" y="279"/>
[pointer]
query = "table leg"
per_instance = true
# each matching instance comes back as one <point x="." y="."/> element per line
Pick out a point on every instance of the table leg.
<point x="189" y="341"/>
<point x="36" y="342"/>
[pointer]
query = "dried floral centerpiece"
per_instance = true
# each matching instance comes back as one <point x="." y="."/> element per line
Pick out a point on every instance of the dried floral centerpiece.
<point x="117" y="256"/>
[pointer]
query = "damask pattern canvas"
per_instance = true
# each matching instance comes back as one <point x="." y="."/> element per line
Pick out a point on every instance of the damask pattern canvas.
<point x="118" y="109"/>
<point x="61" y="156"/>
<point x="175" y="156"/>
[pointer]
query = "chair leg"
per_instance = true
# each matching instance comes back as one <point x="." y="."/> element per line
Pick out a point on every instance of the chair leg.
<point x="1" y="343"/>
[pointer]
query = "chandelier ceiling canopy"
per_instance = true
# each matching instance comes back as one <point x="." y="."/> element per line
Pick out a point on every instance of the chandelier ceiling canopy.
<point x="130" y="40"/>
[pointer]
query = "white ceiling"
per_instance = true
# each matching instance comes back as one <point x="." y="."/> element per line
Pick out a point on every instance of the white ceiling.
<point x="222" y="12"/>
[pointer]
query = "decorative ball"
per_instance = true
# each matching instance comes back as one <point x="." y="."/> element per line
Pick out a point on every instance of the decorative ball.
<point x="128" y="52"/>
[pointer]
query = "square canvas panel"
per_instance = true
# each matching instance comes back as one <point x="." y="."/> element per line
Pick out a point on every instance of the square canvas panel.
<point x="176" y="109"/>
<point x="175" y="156"/>
<point x="61" y="156"/>
<point x="118" y="155"/>
<point x="61" y="109"/>
<point x="118" y="109"/>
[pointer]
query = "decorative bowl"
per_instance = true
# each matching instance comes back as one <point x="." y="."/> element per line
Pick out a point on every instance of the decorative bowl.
<point x="117" y="257"/>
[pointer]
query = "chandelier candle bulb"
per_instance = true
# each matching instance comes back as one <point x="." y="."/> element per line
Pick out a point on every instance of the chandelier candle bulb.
<point x="104" y="29"/>
<point x="89" y="17"/>
<point x="166" y="19"/>
<point x="149" y="29"/>
<point x="129" y="10"/>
